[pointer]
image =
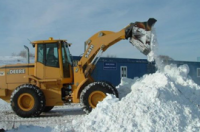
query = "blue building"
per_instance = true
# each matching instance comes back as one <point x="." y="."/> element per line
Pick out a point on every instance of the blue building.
<point x="112" y="69"/>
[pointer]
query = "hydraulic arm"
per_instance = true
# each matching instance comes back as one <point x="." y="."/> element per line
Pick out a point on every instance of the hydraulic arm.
<point x="139" y="34"/>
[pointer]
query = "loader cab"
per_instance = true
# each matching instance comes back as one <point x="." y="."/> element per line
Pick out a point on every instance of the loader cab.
<point x="52" y="60"/>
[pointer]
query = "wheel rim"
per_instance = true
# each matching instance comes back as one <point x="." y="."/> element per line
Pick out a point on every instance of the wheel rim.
<point x="26" y="102"/>
<point x="95" y="97"/>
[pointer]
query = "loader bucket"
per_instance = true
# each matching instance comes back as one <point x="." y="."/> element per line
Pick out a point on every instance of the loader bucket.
<point x="140" y="35"/>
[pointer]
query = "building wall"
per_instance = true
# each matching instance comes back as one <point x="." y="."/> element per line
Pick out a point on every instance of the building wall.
<point x="112" y="69"/>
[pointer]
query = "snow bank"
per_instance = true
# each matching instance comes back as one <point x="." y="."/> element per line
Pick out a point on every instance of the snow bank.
<point x="163" y="101"/>
<point x="6" y="60"/>
<point x="4" y="106"/>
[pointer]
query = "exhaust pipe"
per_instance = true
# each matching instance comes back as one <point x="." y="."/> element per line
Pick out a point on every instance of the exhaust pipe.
<point x="27" y="54"/>
<point x="140" y="35"/>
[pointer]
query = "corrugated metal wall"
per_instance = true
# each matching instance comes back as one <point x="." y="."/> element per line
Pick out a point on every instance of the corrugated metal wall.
<point x="112" y="69"/>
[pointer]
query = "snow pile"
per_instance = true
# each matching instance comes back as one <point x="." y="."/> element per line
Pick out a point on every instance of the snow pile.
<point x="125" y="86"/>
<point x="4" y="106"/>
<point x="6" y="60"/>
<point x="164" y="101"/>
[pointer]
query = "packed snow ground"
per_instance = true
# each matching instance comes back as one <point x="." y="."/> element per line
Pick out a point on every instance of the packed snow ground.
<point x="167" y="100"/>
<point x="160" y="102"/>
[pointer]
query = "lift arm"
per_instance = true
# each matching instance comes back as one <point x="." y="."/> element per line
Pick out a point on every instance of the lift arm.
<point x="139" y="34"/>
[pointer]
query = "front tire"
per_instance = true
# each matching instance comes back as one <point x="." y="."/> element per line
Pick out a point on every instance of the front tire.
<point x="114" y="88"/>
<point x="27" y="100"/>
<point x="93" y="93"/>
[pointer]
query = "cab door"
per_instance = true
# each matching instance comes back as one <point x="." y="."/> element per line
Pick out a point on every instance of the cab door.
<point x="66" y="64"/>
<point x="56" y="64"/>
<point x="52" y="65"/>
<point x="48" y="68"/>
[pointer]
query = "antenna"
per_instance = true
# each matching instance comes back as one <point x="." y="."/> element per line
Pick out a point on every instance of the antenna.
<point x="29" y="41"/>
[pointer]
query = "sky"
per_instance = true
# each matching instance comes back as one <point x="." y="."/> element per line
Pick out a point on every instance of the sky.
<point x="177" y="26"/>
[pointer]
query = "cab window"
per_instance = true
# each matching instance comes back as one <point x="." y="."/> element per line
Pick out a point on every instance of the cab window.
<point x="66" y="61"/>
<point x="47" y="54"/>
<point x="52" y="55"/>
<point x="40" y="53"/>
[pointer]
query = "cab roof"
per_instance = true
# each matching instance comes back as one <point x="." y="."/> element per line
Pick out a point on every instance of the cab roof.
<point x="51" y="40"/>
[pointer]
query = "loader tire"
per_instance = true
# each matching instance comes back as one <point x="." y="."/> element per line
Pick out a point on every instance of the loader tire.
<point x="114" y="88"/>
<point x="27" y="100"/>
<point x="93" y="93"/>
<point x="48" y="108"/>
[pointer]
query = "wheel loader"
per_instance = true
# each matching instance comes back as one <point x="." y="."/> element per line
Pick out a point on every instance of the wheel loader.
<point x="54" y="80"/>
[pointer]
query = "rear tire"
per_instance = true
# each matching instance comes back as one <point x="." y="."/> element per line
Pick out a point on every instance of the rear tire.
<point x="93" y="93"/>
<point x="48" y="108"/>
<point x="27" y="100"/>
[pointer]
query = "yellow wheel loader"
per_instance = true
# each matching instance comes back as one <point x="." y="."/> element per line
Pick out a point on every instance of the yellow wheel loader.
<point x="54" y="80"/>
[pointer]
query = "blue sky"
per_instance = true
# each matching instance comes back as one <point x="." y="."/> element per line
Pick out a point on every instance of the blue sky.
<point x="177" y="28"/>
